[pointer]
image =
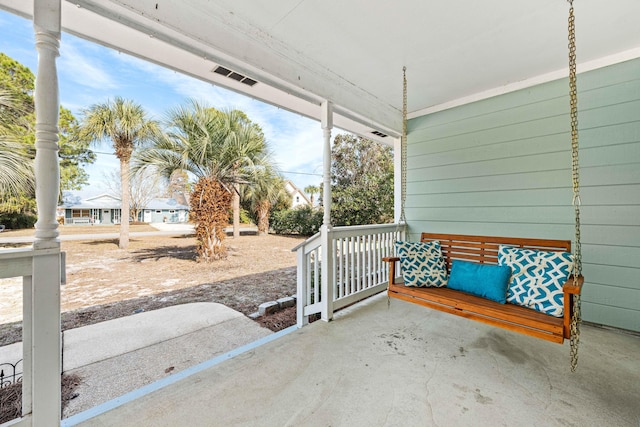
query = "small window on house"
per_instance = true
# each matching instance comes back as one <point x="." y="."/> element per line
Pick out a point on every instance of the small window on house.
<point x="172" y="211"/>
<point x="159" y="212"/>
<point x="297" y="199"/>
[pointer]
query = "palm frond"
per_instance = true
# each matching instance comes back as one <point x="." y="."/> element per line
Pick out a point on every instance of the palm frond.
<point x="16" y="169"/>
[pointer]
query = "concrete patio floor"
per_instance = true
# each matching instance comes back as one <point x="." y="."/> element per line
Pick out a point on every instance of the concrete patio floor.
<point x="403" y="366"/>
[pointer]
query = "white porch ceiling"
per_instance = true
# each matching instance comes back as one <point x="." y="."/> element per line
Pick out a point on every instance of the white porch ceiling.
<point x="351" y="52"/>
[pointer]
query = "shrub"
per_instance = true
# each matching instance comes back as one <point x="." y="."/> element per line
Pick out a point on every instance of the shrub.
<point x="15" y="221"/>
<point x="245" y="217"/>
<point x="304" y="220"/>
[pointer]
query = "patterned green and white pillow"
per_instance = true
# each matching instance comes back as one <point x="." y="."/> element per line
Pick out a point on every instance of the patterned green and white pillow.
<point x="422" y="264"/>
<point x="537" y="278"/>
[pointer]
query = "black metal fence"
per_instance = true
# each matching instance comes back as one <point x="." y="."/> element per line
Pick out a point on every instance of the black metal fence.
<point x="10" y="373"/>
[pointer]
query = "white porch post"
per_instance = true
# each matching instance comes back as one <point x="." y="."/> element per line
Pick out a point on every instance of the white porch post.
<point x="325" y="230"/>
<point x="397" y="179"/>
<point x="45" y="298"/>
<point x="327" y="125"/>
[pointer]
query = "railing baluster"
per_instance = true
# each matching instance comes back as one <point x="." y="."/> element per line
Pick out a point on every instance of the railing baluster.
<point x="376" y="258"/>
<point x="316" y="276"/>
<point x="350" y="271"/>
<point x="367" y="261"/>
<point x="358" y="253"/>
<point x="372" y="253"/>
<point x="336" y="268"/>
<point x="340" y="242"/>
<point x="309" y="284"/>
<point x="370" y="261"/>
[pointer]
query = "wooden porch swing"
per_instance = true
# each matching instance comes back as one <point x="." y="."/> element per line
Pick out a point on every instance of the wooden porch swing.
<point x="484" y="250"/>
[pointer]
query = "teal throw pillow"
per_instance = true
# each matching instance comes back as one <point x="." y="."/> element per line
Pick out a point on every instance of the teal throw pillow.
<point x="488" y="281"/>
<point x="537" y="278"/>
<point x="422" y="264"/>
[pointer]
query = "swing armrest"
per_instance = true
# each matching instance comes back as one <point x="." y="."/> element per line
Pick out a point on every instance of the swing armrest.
<point x="392" y="267"/>
<point x="573" y="286"/>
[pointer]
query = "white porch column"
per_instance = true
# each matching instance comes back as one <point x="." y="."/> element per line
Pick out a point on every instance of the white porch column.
<point x="325" y="230"/>
<point x="45" y="298"/>
<point x="327" y="125"/>
<point x="397" y="179"/>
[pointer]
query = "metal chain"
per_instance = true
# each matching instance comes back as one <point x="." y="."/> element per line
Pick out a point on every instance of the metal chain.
<point x="403" y="148"/>
<point x="575" y="177"/>
<point x="403" y="162"/>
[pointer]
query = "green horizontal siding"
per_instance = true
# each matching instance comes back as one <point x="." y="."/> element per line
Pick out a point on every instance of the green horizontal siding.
<point x="501" y="166"/>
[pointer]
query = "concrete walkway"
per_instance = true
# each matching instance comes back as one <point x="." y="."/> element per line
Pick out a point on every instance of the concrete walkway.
<point x="121" y="355"/>
<point x="403" y="366"/>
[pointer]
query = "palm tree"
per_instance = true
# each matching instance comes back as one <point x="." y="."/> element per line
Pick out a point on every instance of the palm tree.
<point x="312" y="190"/>
<point x="16" y="165"/>
<point x="125" y="123"/>
<point x="222" y="149"/>
<point x="246" y="149"/>
<point x="266" y="191"/>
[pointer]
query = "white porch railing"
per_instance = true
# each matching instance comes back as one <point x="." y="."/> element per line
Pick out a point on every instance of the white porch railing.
<point x="356" y="268"/>
<point x="20" y="263"/>
<point x="85" y="220"/>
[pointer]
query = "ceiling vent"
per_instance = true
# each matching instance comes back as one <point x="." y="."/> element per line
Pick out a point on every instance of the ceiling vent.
<point x="235" y="76"/>
<point x="380" y="134"/>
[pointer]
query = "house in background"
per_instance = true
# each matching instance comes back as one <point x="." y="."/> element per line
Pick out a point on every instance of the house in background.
<point x="106" y="209"/>
<point x="101" y="209"/>
<point x="164" y="210"/>
<point x="298" y="198"/>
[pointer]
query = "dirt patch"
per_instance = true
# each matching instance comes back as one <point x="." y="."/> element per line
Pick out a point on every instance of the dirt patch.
<point x="105" y="282"/>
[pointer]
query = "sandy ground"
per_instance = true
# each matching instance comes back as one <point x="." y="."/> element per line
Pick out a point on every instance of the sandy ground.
<point x="105" y="282"/>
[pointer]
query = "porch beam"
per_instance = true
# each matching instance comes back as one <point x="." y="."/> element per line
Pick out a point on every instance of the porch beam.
<point x="44" y="316"/>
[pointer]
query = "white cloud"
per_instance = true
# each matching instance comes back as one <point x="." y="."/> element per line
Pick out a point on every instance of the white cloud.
<point x="79" y="66"/>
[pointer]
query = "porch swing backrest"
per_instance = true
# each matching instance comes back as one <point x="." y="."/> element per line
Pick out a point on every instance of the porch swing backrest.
<point x="484" y="250"/>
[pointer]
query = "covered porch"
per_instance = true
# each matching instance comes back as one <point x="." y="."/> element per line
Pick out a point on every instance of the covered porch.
<point x="400" y="365"/>
<point x="488" y="152"/>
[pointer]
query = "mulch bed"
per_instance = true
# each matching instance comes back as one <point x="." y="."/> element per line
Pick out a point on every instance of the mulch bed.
<point x="279" y="320"/>
<point x="11" y="397"/>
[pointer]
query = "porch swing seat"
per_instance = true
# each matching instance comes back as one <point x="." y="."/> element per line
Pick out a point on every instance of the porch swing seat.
<point x="484" y="250"/>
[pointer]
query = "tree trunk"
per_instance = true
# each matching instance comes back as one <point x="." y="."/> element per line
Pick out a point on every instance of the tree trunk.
<point x="210" y="211"/>
<point x="124" y="212"/>
<point x="236" y="211"/>
<point x="263" y="219"/>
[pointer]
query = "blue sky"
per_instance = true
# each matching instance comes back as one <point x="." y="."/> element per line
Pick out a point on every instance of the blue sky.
<point x="90" y="73"/>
